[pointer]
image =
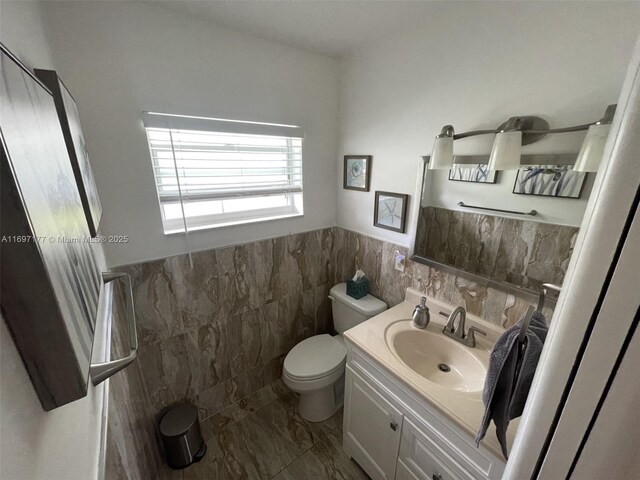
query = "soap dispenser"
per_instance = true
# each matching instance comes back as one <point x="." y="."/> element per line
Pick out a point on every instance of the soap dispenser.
<point x="421" y="315"/>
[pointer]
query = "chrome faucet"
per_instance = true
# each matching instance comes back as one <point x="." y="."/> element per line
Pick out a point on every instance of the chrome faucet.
<point x="421" y="315"/>
<point x="457" y="333"/>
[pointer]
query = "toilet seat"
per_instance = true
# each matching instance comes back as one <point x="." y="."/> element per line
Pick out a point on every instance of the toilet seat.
<point x="315" y="358"/>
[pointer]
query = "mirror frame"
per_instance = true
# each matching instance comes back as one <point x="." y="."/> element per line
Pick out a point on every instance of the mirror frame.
<point x="521" y="292"/>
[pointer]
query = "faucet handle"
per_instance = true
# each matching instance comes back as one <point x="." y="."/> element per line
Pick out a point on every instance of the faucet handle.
<point x="470" y="338"/>
<point x="476" y="329"/>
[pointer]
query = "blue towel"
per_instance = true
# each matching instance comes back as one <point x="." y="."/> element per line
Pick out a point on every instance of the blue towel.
<point x="509" y="376"/>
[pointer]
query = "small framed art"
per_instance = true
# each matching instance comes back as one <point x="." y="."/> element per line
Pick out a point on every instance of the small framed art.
<point x="390" y="211"/>
<point x="357" y="172"/>
<point x="559" y="181"/>
<point x="473" y="173"/>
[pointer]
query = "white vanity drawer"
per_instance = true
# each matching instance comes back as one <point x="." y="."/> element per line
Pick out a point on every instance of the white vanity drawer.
<point x="426" y="459"/>
<point x="403" y="472"/>
<point x="429" y="469"/>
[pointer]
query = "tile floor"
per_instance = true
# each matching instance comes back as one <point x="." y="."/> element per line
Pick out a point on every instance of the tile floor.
<point x="263" y="437"/>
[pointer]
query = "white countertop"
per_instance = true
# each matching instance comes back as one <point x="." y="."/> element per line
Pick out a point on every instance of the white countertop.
<point x="465" y="409"/>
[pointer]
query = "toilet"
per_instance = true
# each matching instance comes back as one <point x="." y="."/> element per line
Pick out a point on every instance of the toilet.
<point x="314" y="368"/>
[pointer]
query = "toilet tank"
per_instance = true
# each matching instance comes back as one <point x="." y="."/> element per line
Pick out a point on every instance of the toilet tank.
<point x="349" y="312"/>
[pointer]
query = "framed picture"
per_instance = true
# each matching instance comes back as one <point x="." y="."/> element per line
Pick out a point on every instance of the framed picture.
<point x="76" y="147"/>
<point x="357" y="172"/>
<point x="50" y="279"/>
<point x="390" y="211"/>
<point x="558" y="181"/>
<point x="478" y="173"/>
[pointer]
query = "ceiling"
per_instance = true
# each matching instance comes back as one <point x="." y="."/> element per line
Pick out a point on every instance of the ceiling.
<point x="326" y="27"/>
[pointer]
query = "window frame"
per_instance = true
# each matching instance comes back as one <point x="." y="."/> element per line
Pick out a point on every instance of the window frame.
<point x="182" y="224"/>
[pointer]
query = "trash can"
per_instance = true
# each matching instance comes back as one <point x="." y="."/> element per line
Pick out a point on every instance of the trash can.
<point x="181" y="436"/>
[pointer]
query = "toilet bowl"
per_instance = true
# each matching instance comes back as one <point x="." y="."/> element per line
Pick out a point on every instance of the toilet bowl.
<point x="314" y="368"/>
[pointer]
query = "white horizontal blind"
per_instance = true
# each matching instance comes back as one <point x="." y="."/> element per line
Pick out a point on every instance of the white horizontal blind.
<point x="221" y="177"/>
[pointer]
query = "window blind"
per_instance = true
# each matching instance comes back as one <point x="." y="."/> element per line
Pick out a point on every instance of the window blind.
<point x="211" y="172"/>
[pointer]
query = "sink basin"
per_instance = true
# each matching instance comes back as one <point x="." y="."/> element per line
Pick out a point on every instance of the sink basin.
<point x="437" y="358"/>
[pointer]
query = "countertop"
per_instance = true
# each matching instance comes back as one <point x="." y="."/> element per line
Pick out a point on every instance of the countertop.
<point x="465" y="409"/>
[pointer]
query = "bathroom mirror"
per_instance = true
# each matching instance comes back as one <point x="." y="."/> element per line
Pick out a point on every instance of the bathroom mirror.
<point x="514" y="228"/>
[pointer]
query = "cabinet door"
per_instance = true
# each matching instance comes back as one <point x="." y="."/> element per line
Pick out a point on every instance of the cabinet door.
<point x="418" y="454"/>
<point x="372" y="428"/>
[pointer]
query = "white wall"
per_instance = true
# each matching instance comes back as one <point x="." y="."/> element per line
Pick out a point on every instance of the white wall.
<point x="121" y="58"/>
<point x="63" y="443"/>
<point x="473" y="65"/>
<point x="562" y="211"/>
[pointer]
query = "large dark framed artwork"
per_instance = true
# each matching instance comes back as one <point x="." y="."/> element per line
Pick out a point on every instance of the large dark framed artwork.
<point x="559" y="181"/>
<point x="357" y="172"/>
<point x="390" y="211"/>
<point x="50" y="282"/>
<point x="76" y="147"/>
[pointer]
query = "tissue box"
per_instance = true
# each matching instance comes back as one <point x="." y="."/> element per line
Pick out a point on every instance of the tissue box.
<point x="358" y="288"/>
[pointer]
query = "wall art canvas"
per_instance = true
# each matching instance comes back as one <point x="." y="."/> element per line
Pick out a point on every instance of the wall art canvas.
<point x="390" y="211"/>
<point x="478" y="173"/>
<point x="357" y="172"/>
<point x="549" y="181"/>
<point x="50" y="279"/>
<point x="76" y="147"/>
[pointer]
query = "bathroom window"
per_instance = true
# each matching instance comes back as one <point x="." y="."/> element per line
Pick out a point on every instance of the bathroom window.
<point x="212" y="173"/>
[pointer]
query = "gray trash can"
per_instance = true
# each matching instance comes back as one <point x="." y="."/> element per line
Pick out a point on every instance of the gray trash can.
<point x="181" y="436"/>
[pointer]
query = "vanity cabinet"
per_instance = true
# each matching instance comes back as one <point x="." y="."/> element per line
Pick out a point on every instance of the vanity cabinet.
<point x="373" y="426"/>
<point x="394" y="434"/>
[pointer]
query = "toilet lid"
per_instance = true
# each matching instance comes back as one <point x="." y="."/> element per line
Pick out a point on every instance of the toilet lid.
<point x="315" y="357"/>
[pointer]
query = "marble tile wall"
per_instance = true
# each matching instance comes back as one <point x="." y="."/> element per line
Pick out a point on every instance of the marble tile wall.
<point x="219" y="331"/>
<point x="376" y="258"/>
<point x="132" y="447"/>
<point x="515" y="251"/>
<point x="216" y="335"/>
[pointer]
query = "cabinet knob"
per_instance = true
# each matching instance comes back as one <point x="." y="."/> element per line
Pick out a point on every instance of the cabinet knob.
<point x="436" y="476"/>
<point x="394" y="426"/>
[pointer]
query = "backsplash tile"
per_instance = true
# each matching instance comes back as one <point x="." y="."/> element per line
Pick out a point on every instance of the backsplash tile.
<point x="520" y="252"/>
<point x="376" y="258"/>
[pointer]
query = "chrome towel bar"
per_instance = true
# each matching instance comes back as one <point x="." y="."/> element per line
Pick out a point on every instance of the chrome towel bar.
<point x="532" y="213"/>
<point x="99" y="372"/>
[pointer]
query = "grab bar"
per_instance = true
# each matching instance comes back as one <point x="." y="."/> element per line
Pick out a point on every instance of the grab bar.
<point x="99" y="372"/>
<point x="542" y="296"/>
<point x="533" y="213"/>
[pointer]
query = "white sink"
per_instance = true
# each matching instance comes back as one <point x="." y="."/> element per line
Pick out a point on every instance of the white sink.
<point x="437" y="358"/>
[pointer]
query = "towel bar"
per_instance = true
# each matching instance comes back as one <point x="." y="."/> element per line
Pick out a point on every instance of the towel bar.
<point x="532" y="213"/>
<point x="99" y="372"/>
